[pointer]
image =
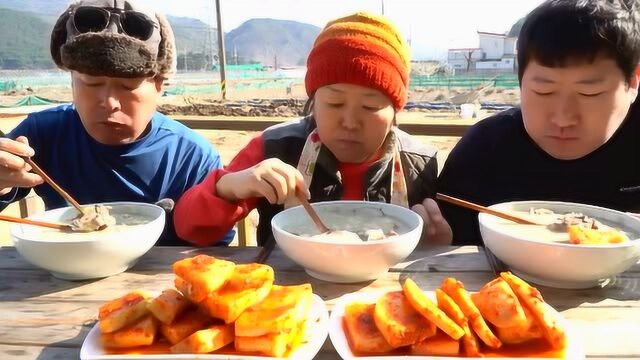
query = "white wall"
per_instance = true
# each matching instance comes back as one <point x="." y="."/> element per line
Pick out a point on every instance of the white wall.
<point x="504" y="64"/>
<point x="510" y="46"/>
<point x="458" y="64"/>
<point x="492" y="46"/>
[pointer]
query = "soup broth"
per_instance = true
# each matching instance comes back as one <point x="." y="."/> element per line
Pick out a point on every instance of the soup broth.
<point x="125" y="222"/>
<point x="365" y="222"/>
<point x="549" y="231"/>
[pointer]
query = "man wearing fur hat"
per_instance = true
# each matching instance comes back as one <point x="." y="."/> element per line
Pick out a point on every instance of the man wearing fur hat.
<point x="110" y="144"/>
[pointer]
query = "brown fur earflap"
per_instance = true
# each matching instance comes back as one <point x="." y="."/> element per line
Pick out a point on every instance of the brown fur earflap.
<point x="167" y="54"/>
<point x="111" y="55"/>
<point x="58" y="38"/>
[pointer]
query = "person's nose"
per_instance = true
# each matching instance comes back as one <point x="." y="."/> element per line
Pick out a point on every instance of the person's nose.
<point x="351" y="119"/>
<point x="566" y="112"/>
<point x="111" y="102"/>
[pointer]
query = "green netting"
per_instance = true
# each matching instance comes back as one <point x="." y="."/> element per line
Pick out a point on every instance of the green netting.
<point x="32" y="100"/>
<point x="191" y="90"/>
<point x="7" y="85"/>
<point x="469" y="82"/>
<point x="249" y="74"/>
<point x="242" y="67"/>
<point x="231" y="86"/>
<point x="244" y="71"/>
<point x="41" y="81"/>
<point x="251" y="71"/>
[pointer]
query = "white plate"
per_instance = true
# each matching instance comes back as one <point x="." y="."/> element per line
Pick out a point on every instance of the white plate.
<point x="340" y="343"/>
<point x="316" y="335"/>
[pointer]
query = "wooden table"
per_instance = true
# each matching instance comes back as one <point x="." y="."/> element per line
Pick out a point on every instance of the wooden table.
<point x="45" y="318"/>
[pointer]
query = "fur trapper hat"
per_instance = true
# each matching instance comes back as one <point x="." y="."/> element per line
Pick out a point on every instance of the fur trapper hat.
<point x="108" y="42"/>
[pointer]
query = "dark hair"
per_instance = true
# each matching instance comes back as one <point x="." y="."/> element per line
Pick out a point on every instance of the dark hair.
<point x="561" y="31"/>
<point x="308" y="107"/>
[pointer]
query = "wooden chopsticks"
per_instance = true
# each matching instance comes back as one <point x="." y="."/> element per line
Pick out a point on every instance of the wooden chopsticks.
<point x="56" y="187"/>
<point x="36" y="169"/>
<point x="495" y="264"/>
<point x="311" y="211"/>
<point x="35" y="222"/>
<point x="483" y="209"/>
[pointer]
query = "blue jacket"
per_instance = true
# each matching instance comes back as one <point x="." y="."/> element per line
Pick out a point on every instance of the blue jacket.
<point x="164" y="163"/>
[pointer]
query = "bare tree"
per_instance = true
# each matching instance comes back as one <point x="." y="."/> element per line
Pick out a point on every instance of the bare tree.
<point x="468" y="56"/>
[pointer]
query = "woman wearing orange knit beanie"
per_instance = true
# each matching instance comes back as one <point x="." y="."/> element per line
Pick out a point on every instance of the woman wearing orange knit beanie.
<point x="347" y="148"/>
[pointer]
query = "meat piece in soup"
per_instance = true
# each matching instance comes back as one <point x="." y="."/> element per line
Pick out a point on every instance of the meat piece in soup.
<point x="340" y="236"/>
<point x="93" y="219"/>
<point x="561" y="222"/>
<point x="575" y="228"/>
<point x="122" y="222"/>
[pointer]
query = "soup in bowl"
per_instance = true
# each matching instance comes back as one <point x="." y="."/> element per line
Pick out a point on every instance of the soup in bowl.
<point x="586" y="254"/>
<point x="75" y="255"/>
<point x="367" y="239"/>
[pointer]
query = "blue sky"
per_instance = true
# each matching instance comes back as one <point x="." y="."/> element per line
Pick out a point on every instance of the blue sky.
<point x="433" y="25"/>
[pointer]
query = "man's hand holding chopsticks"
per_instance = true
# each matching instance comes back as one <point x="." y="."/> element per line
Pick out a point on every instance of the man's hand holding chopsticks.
<point x="14" y="171"/>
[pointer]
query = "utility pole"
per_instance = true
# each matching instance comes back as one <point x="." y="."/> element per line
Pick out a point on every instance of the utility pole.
<point x="382" y="1"/>
<point x="221" y="55"/>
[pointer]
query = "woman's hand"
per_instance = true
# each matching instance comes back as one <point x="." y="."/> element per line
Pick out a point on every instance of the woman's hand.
<point x="436" y="230"/>
<point x="272" y="179"/>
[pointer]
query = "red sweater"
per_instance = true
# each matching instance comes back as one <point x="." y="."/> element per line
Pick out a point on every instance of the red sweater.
<point x="203" y="218"/>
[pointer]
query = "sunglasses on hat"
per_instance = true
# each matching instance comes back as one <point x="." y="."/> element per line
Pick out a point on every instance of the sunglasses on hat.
<point x="96" y="19"/>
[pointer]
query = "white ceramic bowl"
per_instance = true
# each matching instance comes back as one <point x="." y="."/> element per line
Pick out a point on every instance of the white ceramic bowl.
<point x="89" y="255"/>
<point x="345" y="263"/>
<point x="563" y="265"/>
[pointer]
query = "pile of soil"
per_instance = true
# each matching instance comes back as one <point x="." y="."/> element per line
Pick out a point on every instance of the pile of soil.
<point x="271" y="107"/>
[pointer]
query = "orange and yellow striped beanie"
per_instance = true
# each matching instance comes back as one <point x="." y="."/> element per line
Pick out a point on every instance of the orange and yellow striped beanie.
<point x="360" y="49"/>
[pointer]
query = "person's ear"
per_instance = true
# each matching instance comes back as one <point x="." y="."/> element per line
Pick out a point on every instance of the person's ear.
<point x="159" y="83"/>
<point x="635" y="79"/>
<point x="634" y="84"/>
